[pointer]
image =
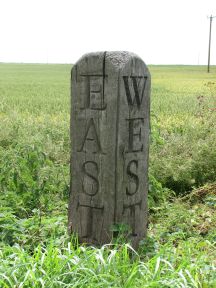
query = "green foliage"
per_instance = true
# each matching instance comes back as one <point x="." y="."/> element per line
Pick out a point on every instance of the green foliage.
<point x="171" y="256"/>
<point x="28" y="178"/>
<point x="183" y="136"/>
<point x="157" y="194"/>
<point x="35" y="250"/>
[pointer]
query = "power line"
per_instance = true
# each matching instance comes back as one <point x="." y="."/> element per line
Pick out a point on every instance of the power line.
<point x="209" y="50"/>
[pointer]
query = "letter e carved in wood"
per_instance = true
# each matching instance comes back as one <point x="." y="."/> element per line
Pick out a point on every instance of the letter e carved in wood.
<point x="135" y="135"/>
<point x="94" y="96"/>
<point x="110" y="105"/>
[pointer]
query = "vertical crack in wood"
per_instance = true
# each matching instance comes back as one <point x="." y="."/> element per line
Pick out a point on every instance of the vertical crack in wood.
<point x="116" y="149"/>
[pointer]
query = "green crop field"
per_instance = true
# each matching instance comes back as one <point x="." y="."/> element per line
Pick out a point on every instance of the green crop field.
<point x="35" y="250"/>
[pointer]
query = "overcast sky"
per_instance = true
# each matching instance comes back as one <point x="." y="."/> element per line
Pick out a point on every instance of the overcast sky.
<point x="60" y="31"/>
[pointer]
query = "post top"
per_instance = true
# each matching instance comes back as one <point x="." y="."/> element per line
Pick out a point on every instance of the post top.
<point x="116" y="58"/>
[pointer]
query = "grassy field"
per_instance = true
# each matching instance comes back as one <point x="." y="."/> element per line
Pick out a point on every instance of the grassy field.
<point x="35" y="250"/>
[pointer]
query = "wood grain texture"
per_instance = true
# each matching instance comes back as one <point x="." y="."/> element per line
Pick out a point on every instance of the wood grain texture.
<point x="110" y="100"/>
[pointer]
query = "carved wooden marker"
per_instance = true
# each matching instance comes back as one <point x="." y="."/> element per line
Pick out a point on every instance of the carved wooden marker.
<point x="110" y="142"/>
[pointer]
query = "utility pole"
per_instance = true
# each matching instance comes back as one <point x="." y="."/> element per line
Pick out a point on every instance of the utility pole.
<point x="209" y="50"/>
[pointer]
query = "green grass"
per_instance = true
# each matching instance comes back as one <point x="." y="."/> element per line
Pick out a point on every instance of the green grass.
<point x="178" y="252"/>
<point x="35" y="250"/>
<point x="183" y="121"/>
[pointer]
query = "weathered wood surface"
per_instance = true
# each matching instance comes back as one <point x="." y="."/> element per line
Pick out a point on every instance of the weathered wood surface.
<point x="110" y="105"/>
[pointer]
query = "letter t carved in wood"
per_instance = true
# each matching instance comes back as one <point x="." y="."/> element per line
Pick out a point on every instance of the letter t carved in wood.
<point x="110" y="110"/>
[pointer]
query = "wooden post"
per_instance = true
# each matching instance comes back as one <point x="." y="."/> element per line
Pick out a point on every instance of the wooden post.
<point x="110" y="100"/>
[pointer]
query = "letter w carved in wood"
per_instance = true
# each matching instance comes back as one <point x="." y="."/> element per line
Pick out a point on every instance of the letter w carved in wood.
<point x="138" y="91"/>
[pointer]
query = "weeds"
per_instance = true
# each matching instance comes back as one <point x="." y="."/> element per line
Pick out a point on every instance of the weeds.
<point x="105" y="267"/>
<point x="35" y="250"/>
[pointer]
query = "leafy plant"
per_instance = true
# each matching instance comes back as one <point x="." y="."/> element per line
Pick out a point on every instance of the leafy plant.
<point x="35" y="250"/>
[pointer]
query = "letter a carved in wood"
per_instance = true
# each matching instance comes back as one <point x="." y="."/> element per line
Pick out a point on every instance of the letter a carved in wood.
<point x="91" y="135"/>
<point x="110" y="109"/>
